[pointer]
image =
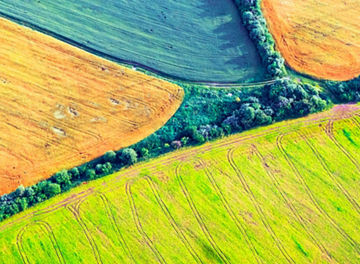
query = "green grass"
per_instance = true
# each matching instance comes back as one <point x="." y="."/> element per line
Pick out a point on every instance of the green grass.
<point x="278" y="194"/>
<point x="193" y="39"/>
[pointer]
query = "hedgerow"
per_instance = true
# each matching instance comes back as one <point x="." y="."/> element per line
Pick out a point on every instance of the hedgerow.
<point x="256" y="25"/>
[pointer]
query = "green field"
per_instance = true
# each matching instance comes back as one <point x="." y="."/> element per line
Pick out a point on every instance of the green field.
<point x="287" y="193"/>
<point x="195" y="40"/>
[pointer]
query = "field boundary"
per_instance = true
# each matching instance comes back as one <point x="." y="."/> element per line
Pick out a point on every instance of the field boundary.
<point x="174" y="156"/>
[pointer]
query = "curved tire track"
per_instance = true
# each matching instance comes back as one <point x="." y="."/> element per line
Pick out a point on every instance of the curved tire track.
<point x="289" y="204"/>
<point x="259" y="210"/>
<point x="48" y="230"/>
<point x="75" y="210"/>
<point x="116" y="228"/>
<point x="231" y="213"/>
<point x="312" y="197"/>
<point x="198" y="216"/>
<point x="138" y="224"/>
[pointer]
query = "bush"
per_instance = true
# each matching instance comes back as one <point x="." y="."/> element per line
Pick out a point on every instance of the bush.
<point x="63" y="178"/>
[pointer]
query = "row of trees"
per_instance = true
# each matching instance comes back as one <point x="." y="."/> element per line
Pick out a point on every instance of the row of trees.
<point x="256" y="25"/>
<point x="64" y="180"/>
<point x="344" y="92"/>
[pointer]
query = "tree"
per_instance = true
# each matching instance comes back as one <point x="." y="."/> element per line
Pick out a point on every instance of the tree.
<point x="63" y="178"/>
<point x="75" y="173"/>
<point x="19" y="191"/>
<point x="110" y="156"/>
<point x="144" y="153"/>
<point x="51" y="189"/>
<point x="90" y="174"/>
<point x="128" y="156"/>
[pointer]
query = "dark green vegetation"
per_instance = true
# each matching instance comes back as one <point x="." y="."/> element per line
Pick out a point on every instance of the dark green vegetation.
<point x="256" y="25"/>
<point x="194" y="39"/>
<point x="348" y="91"/>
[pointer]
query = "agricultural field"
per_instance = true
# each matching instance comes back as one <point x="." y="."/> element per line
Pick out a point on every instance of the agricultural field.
<point x="61" y="107"/>
<point x="193" y="39"/>
<point x="286" y="193"/>
<point x="318" y="38"/>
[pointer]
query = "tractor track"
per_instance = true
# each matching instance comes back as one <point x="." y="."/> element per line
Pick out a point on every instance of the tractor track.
<point x="289" y="204"/>
<point x="312" y="197"/>
<point x="172" y="221"/>
<point x="116" y="228"/>
<point x="256" y="204"/>
<point x="198" y="216"/>
<point x="329" y="130"/>
<point x="138" y="225"/>
<point x="75" y="210"/>
<point x="48" y="230"/>
<point x="330" y="174"/>
<point x="230" y="212"/>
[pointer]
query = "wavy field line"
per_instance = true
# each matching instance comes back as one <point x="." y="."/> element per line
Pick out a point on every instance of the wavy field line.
<point x="230" y="212"/>
<point x="330" y="174"/>
<point x="290" y="205"/>
<point x="330" y="133"/>
<point x="138" y="224"/>
<point x="48" y="230"/>
<point x="75" y="210"/>
<point x="198" y="216"/>
<point x="172" y="221"/>
<point x="312" y="197"/>
<point x="116" y="228"/>
<point x="20" y="246"/>
<point x="256" y="204"/>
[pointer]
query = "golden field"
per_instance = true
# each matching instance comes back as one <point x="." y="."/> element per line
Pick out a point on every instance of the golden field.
<point x="61" y="106"/>
<point x="318" y="38"/>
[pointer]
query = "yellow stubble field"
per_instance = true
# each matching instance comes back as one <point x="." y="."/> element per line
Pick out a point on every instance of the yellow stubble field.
<point x="61" y="106"/>
<point x="318" y="38"/>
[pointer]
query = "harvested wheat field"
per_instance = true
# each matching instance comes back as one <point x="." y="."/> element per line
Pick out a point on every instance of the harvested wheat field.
<point x="61" y="107"/>
<point x="319" y="38"/>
